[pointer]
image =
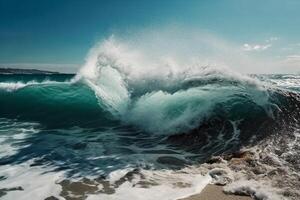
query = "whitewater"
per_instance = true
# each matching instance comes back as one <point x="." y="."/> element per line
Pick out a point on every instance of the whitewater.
<point x="132" y="124"/>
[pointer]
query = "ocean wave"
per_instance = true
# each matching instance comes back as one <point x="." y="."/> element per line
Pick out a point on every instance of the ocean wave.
<point x="130" y="126"/>
<point x="52" y="103"/>
<point x="14" y="86"/>
<point x="162" y="97"/>
<point x="12" y="134"/>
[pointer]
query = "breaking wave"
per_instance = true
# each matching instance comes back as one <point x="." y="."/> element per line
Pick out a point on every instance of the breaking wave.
<point x="164" y="96"/>
<point x="136" y="123"/>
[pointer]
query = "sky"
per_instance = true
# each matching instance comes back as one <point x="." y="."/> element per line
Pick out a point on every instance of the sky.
<point x="57" y="34"/>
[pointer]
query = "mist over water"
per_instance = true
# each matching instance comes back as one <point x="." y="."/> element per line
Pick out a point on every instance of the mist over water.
<point x="162" y="85"/>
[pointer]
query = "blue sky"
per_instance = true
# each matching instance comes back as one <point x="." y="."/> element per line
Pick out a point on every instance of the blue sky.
<point x="62" y="31"/>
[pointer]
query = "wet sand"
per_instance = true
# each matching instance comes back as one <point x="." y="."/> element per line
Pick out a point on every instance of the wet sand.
<point x="214" y="192"/>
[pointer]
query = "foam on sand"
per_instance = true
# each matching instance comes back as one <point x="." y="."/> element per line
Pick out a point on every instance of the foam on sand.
<point x="152" y="185"/>
<point x="27" y="182"/>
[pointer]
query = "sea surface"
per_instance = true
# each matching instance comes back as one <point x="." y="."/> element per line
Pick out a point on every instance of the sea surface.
<point x="109" y="133"/>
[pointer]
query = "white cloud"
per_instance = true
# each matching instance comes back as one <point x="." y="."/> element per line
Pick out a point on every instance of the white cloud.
<point x="291" y="47"/>
<point x="272" y="39"/>
<point x="256" y="47"/>
<point x="293" y="59"/>
<point x="260" y="47"/>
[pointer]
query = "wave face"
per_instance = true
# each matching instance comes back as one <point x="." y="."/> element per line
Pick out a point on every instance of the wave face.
<point x="125" y="115"/>
<point x="119" y="87"/>
<point x="164" y="97"/>
<point x="51" y="99"/>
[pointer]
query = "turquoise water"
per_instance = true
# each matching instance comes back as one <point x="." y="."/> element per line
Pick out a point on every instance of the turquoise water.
<point x="75" y="132"/>
<point x="67" y="124"/>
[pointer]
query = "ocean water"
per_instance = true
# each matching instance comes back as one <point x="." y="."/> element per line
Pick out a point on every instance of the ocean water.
<point x="113" y="131"/>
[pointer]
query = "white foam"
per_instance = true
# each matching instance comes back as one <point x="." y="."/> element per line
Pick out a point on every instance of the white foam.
<point x="150" y="91"/>
<point x="257" y="190"/>
<point x="163" y="113"/>
<point x="169" y="185"/>
<point x="12" y="134"/>
<point x="13" y="86"/>
<point x="287" y="82"/>
<point x="36" y="182"/>
<point x="40" y="182"/>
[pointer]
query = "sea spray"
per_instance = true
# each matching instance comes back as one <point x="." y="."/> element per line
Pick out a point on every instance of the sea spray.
<point x="161" y="97"/>
<point x="136" y="121"/>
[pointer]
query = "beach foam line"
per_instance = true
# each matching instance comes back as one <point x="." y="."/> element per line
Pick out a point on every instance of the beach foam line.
<point x="214" y="192"/>
<point x="25" y="182"/>
<point x="153" y="185"/>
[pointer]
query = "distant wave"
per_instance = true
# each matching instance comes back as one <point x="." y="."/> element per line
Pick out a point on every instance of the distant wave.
<point x="13" y="86"/>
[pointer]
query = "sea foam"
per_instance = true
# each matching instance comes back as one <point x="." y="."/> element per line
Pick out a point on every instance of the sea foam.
<point x="160" y="94"/>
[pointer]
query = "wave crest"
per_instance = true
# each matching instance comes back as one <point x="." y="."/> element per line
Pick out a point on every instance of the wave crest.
<point x="13" y="86"/>
<point x="161" y="95"/>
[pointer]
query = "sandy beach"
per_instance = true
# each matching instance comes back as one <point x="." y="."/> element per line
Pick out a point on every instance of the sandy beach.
<point x="214" y="192"/>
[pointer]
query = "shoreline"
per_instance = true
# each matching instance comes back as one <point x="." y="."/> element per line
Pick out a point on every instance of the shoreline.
<point x="215" y="192"/>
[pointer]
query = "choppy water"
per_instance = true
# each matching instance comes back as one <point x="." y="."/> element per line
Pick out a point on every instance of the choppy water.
<point x="108" y="119"/>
